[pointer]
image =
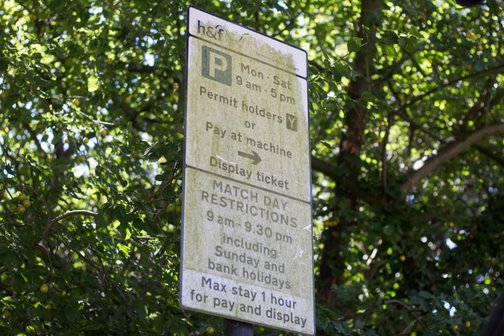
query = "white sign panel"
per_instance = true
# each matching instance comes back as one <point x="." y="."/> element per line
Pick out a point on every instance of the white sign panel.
<point x="247" y="232"/>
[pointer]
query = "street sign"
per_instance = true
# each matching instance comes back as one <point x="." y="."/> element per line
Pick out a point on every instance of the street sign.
<point x="247" y="231"/>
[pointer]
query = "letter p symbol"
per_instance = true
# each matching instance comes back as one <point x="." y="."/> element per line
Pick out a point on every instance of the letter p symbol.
<point x="216" y="65"/>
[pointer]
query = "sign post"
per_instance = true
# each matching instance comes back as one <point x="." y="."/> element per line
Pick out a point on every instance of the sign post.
<point x="247" y="230"/>
<point x="236" y="328"/>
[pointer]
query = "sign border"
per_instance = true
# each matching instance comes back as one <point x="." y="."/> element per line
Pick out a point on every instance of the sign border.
<point x="185" y="166"/>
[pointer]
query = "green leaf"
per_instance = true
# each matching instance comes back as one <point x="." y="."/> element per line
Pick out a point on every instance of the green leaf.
<point x="354" y="44"/>
<point x="92" y="83"/>
<point x="123" y="248"/>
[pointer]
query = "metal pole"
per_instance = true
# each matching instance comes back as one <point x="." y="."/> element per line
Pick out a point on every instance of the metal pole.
<point x="494" y="325"/>
<point x="236" y="328"/>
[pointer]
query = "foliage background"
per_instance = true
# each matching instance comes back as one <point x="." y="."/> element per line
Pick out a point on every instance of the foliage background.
<point x="407" y="119"/>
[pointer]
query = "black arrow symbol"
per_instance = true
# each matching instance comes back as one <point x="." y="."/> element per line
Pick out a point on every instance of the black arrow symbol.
<point x="254" y="156"/>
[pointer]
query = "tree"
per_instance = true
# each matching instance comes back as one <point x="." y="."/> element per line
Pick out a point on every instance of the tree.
<point x="407" y="118"/>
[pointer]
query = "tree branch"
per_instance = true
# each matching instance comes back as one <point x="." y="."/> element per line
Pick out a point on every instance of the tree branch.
<point x="447" y="84"/>
<point x="292" y="21"/>
<point x="65" y="215"/>
<point x="323" y="167"/>
<point x="33" y="136"/>
<point x="400" y="303"/>
<point x="448" y="152"/>
<point x="491" y="155"/>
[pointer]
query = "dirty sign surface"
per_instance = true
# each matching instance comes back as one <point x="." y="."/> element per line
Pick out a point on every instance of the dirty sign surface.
<point x="247" y="231"/>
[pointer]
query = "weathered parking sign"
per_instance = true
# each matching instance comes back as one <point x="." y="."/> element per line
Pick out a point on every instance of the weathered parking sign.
<point x="247" y="231"/>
